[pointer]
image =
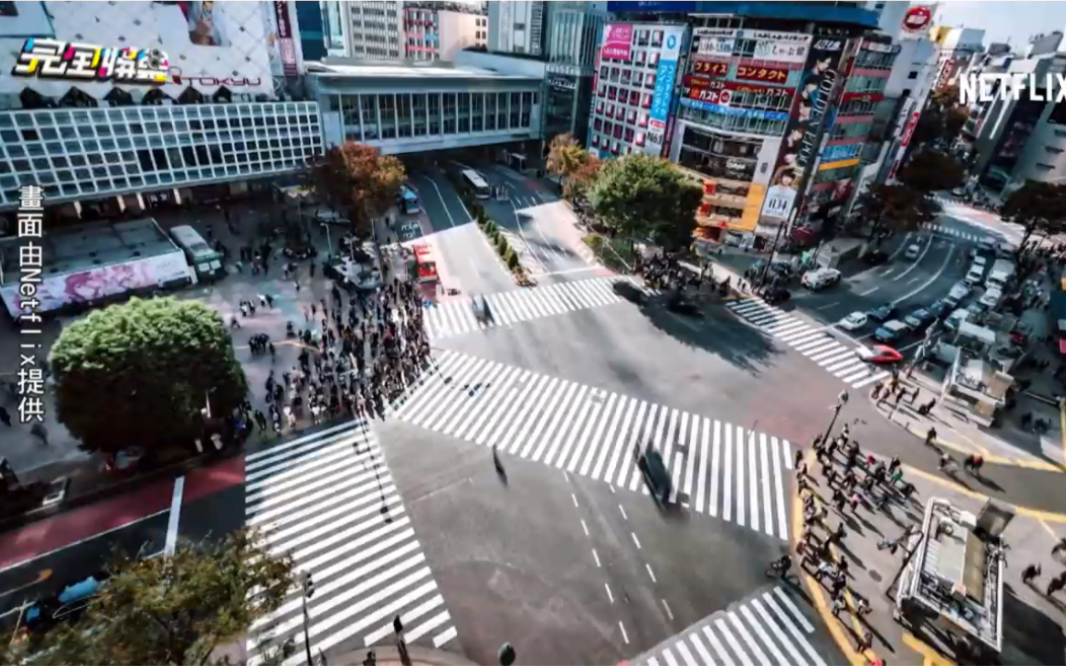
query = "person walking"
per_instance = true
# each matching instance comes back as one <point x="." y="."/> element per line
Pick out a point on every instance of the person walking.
<point x="5" y="417"/>
<point x="40" y="432"/>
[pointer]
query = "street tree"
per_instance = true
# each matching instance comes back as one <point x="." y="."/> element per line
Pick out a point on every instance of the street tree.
<point x="358" y="181"/>
<point x="172" y="609"/>
<point x="890" y="209"/>
<point x="576" y="187"/>
<point x="139" y="373"/>
<point x="565" y="156"/>
<point x="930" y="170"/>
<point x="640" y="197"/>
<point x="1038" y="207"/>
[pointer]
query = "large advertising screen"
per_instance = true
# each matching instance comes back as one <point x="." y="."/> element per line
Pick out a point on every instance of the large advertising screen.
<point x="663" y="93"/>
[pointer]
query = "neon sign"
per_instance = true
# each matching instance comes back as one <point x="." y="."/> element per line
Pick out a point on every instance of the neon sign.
<point x="53" y="59"/>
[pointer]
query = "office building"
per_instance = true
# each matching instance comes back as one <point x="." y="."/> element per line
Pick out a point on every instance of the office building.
<point x="373" y="30"/>
<point x="197" y="118"/>
<point x="957" y="47"/>
<point x="436" y="31"/>
<point x="415" y="109"/>
<point x="517" y="26"/>
<point x="573" y="35"/>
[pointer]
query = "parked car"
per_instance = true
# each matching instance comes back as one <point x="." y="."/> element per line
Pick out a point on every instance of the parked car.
<point x="883" y="313"/>
<point x="919" y="319"/>
<point x="938" y="307"/>
<point x="820" y="278"/>
<point x="774" y="295"/>
<point x="875" y="257"/>
<point x="891" y="331"/>
<point x="853" y="321"/>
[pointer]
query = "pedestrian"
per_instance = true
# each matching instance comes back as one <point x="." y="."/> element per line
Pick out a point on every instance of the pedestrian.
<point x="401" y="644"/>
<point x="862" y="607"/>
<point x="1030" y="573"/>
<point x="838" y="605"/>
<point x="40" y="432"/>
<point x="5" y="417"/>
<point x="1055" y="585"/>
<point x="865" y="642"/>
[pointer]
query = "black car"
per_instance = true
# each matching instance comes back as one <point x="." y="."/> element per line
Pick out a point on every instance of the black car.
<point x="774" y="295"/>
<point x="630" y="292"/>
<point x="938" y="307"/>
<point x="875" y="257"/>
<point x="658" y="479"/>
<point x="883" y="313"/>
<point x="678" y="304"/>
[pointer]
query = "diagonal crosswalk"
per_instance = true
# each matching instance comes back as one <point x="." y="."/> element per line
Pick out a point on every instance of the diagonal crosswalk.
<point x="329" y="500"/>
<point x="719" y="469"/>
<point x="814" y="342"/>
<point x="766" y="628"/>
<point x="510" y="307"/>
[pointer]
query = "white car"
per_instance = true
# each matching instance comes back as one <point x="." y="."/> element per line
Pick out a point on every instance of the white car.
<point x="853" y="321"/>
<point x="819" y="278"/>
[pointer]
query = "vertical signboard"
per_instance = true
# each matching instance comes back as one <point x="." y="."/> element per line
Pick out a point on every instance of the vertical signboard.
<point x="286" y="45"/>
<point x="663" y="93"/>
<point x="799" y="147"/>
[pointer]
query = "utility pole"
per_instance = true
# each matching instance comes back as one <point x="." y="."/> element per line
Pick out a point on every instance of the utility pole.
<point x="773" y="248"/>
<point x="309" y="591"/>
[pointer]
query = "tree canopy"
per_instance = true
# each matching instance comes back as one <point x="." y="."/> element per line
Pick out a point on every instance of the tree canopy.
<point x="930" y="170"/>
<point x="357" y="180"/>
<point x="942" y="119"/>
<point x="139" y="373"/>
<point x="644" y="198"/>
<point x="895" y="208"/>
<point x="565" y="156"/>
<point x="1038" y="207"/>
<point x="576" y="187"/>
<point x="171" y="609"/>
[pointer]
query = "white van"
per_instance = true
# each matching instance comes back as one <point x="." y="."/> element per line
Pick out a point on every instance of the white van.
<point x="980" y="261"/>
<point x="990" y="299"/>
<point x="976" y="274"/>
<point x="912" y="251"/>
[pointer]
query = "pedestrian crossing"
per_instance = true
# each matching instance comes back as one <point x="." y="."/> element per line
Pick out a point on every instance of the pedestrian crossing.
<point x="510" y="307"/>
<point x="767" y="628"/>
<point x="719" y="469"/>
<point x="810" y="340"/>
<point x="329" y="500"/>
<point x="945" y="230"/>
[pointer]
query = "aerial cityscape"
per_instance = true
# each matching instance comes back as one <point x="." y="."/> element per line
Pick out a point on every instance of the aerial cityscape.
<point x="664" y="333"/>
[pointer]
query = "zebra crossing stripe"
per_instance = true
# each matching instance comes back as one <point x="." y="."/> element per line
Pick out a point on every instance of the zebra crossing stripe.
<point x="592" y="432"/>
<point x="328" y="500"/>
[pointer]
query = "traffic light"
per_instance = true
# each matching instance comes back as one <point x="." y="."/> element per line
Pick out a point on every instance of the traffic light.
<point x="308" y="585"/>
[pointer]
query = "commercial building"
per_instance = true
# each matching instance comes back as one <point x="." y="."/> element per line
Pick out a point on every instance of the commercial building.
<point x="373" y="30"/>
<point x="957" y="48"/>
<point x="402" y="109"/>
<point x="151" y="104"/>
<point x="517" y="26"/>
<point x="571" y="48"/>
<point x="738" y="93"/>
<point x="436" y="31"/>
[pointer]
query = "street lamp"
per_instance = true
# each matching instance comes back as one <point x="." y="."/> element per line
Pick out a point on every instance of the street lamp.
<point x="309" y="590"/>
<point x="842" y="399"/>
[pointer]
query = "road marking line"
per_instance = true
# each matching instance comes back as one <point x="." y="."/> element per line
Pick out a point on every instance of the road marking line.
<point x="609" y="595"/>
<point x="868" y="291"/>
<point x="931" y="656"/>
<point x="175" y="516"/>
<point x="625" y="636"/>
<point x="574" y="497"/>
<point x="635" y="540"/>
<point x="933" y="278"/>
<point x="596" y="556"/>
<point x="624" y="516"/>
<point x="650" y="572"/>
<point x="951" y="485"/>
<point x="669" y="613"/>
<point x="585" y="527"/>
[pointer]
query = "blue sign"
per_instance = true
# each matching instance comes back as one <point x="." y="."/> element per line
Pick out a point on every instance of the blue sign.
<point x="762" y="114"/>
<point x="651" y="6"/>
<point x="844" y="151"/>
<point x="664" y="89"/>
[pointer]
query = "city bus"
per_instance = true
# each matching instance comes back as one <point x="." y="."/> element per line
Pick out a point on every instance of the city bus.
<point x="476" y="183"/>
<point x="202" y="257"/>
<point x="407" y="200"/>
<point x="425" y="263"/>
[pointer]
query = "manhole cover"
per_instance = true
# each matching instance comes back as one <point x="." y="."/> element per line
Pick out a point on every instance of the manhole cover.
<point x="875" y="575"/>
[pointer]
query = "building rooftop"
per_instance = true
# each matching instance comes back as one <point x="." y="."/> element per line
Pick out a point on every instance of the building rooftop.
<point x="90" y="246"/>
<point x="356" y="70"/>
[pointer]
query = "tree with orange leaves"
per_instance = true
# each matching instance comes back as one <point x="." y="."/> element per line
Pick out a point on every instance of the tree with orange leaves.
<point x="358" y="181"/>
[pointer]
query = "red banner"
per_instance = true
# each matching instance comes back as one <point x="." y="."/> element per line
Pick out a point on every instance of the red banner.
<point x="862" y="97"/>
<point x="768" y="74"/>
<point x="711" y="68"/>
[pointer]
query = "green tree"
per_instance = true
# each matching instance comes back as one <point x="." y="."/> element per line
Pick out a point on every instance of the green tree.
<point x="358" y="181"/>
<point x="174" y="609"/>
<point x="1038" y="207"/>
<point x="640" y="197"/>
<point x="895" y="208"/>
<point x="565" y="156"/>
<point x="576" y="187"/>
<point x="140" y="372"/>
<point x="930" y="170"/>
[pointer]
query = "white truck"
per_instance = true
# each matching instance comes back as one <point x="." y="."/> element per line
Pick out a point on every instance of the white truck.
<point x="1001" y="275"/>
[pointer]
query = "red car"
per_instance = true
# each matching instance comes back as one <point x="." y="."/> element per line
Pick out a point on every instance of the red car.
<point x="879" y="354"/>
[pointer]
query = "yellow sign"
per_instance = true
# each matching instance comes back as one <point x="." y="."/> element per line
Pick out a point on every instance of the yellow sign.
<point x="839" y="164"/>
<point x="752" y="206"/>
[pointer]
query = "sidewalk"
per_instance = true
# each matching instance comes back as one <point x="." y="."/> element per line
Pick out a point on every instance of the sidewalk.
<point x="1032" y="621"/>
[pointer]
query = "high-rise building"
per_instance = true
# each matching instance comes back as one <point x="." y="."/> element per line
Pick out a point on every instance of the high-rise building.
<point x="957" y="47"/>
<point x="373" y="30"/>
<point x="435" y="31"/>
<point x="312" y="30"/>
<point x="517" y="26"/>
<point x="571" y="47"/>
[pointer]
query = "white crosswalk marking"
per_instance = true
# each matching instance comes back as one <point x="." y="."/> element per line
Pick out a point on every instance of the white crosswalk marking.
<point x="328" y="499"/>
<point x="766" y="628"/>
<point x="812" y="341"/>
<point x="510" y="307"/>
<point x="593" y="433"/>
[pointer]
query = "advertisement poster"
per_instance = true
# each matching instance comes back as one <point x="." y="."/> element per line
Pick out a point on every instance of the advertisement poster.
<point x="205" y="23"/>
<point x="617" y="41"/>
<point x="787" y="47"/>
<point x="286" y="46"/>
<point x="665" y="73"/>
<point x="714" y="42"/>
<point x="805" y="119"/>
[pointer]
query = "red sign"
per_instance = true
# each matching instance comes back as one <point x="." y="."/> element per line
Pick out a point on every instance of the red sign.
<point x="861" y="97"/>
<point x="286" y="46"/>
<point x="908" y="129"/>
<point x="917" y="18"/>
<point x="711" y="68"/>
<point x="769" y="74"/>
<point x="718" y="91"/>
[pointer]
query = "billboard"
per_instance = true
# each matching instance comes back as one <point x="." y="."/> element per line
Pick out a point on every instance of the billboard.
<point x="720" y="91"/>
<point x="841" y="151"/>
<point x="714" y="42"/>
<point x="208" y="45"/>
<point x="790" y="47"/>
<point x="286" y="42"/>
<point x="617" y="41"/>
<point x="665" y="75"/>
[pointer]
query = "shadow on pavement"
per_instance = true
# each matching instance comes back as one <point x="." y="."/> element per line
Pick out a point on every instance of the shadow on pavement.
<point x="1029" y="635"/>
